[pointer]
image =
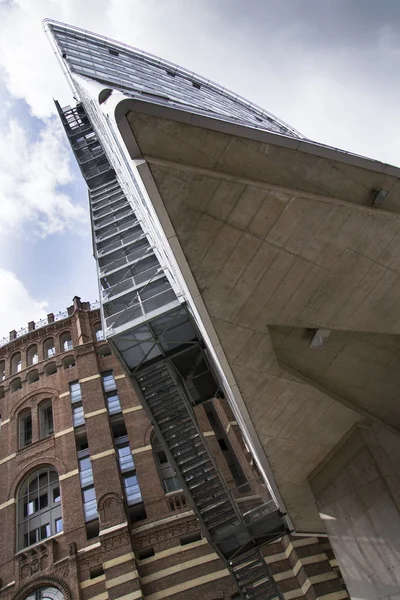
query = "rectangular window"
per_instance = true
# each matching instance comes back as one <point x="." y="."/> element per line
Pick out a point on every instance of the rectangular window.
<point x="25" y="430"/>
<point x="89" y="503"/>
<point x="108" y="381"/>
<point x="46" y="419"/>
<point x="75" y="392"/>
<point x="58" y="525"/>
<point x="56" y="495"/>
<point x="44" y="531"/>
<point x="85" y="471"/>
<point x="172" y="484"/>
<point x="132" y="489"/>
<point x="113" y="403"/>
<point x="99" y="335"/>
<point x="78" y="415"/>
<point x="125" y="458"/>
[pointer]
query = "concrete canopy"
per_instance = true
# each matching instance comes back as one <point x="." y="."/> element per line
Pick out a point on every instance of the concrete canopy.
<point x="280" y="238"/>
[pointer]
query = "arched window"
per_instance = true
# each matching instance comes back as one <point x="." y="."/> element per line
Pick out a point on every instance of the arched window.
<point x="32" y="376"/>
<point x="104" y="350"/>
<point x="46" y="593"/>
<point x="16" y="363"/>
<point x="16" y="385"/>
<point x="66" y="341"/>
<point x="169" y="480"/>
<point x="2" y="370"/>
<point x="46" y="419"/>
<point x="49" y="348"/>
<point x="68" y="362"/>
<point x="39" y="507"/>
<point x="50" y="369"/>
<point x="32" y="355"/>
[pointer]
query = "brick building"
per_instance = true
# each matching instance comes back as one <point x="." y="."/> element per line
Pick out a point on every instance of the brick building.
<point x="89" y="506"/>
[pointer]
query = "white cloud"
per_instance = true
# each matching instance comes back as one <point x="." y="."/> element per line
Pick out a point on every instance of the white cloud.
<point x="17" y="307"/>
<point x="31" y="173"/>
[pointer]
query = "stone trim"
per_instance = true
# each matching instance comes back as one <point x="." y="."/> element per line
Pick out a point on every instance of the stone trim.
<point x="230" y="424"/>
<point x="131" y="596"/>
<point x="4" y="422"/>
<point x="119" y="560"/>
<point x="91" y="378"/>
<point x="119" y="377"/>
<point x="63" y="394"/>
<point x="208" y="433"/>
<point x="102" y="596"/>
<point x="7" y="458"/>
<point x="63" y="432"/>
<point x="173" y="550"/>
<point x="69" y="474"/>
<point x="8" y="503"/>
<point x="113" y="528"/>
<point x="179" y="567"/>
<point x="89" y="548"/>
<point x="131" y="409"/>
<point x="88" y="582"/>
<point x="95" y="413"/>
<point x="141" y="449"/>
<point x="172" y="519"/>
<point x="102" y="454"/>
<point x="187" y="585"/>
<point x="110" y="583"/>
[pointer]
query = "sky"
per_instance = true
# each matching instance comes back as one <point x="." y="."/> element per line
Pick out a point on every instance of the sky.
<point x="329" y="68"/>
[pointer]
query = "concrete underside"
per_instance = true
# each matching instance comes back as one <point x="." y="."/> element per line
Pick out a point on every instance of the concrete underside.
<point x="281" y="241"/>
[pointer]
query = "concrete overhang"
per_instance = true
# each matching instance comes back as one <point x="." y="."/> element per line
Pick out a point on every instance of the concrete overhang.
<point x="276" y="237"/>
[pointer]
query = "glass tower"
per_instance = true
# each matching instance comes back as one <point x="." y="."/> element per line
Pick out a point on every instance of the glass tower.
<point x="148" y="317"/>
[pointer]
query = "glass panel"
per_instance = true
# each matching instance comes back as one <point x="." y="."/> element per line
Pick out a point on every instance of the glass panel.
<point x="75" y="392"/>
<point x="58" y="525"/>
<point x="113" y="403"/>
<point x="108" y="381"/>
<point x="132" y="489"/>
<point x="125" y="458"/>
<point x="172" y="484"/>
<point x="78" y="416"/>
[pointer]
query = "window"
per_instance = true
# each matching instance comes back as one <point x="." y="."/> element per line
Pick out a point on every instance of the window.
<point x="2" y="370"/>
<point x="25" y="428"/>
<point x="113" y="403"/>
<point x="39" y="507"/>
<point x="172" y="484"/>
<point x="49" y="348"/>
<point x="132" y="490"/>
<point x="46" y="593"/>
<point x="46" y="419"/>
<point x="32" y="355"/>
<point x="66" y="341"/>
<point x="104" y="351"/>
<point x="190" y="538"/>
<point x="167" y="475"/>
<point x="89" y="503"/>
<point x="50" y="369"/>
<point x="146" y="553"/>
<point x="78" y="416"/>
<point x="16" y="363"/>
<point x="113" y="52"/>
<point x="85" y="468"/>
<point x="125" y="458"/>
<point x="16" y="385"/>
<point x="98" y="331"/>
<point x="32" y="376"/>
<point x="68" y="362"/>
<point x="75" y="392"/>
<point x="108" y="381"/>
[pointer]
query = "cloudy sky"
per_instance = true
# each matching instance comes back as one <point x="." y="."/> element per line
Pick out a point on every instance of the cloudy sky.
<point x="327" y="67"/>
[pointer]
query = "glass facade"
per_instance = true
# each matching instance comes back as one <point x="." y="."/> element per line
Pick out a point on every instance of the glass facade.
<point x="148" y="77"/>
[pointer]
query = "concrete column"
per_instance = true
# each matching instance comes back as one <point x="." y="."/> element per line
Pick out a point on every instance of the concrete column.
<point x="357" y="491"/>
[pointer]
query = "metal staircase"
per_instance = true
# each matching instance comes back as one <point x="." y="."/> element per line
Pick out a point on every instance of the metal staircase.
<point x="154" y="337"/>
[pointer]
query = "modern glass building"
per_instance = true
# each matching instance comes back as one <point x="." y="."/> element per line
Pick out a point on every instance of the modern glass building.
<point x="149" y="316"/>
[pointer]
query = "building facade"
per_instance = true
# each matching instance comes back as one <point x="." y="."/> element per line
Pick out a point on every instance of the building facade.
<point x="90" y="508"/>
<point x="238" y="258"/>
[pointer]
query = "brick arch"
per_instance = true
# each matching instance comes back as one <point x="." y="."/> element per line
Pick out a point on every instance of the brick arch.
<point x="148" y="435"/>
<point x="34" y="464"/>
<point x="43" y="581"/>
<point x="40" y="395"/>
